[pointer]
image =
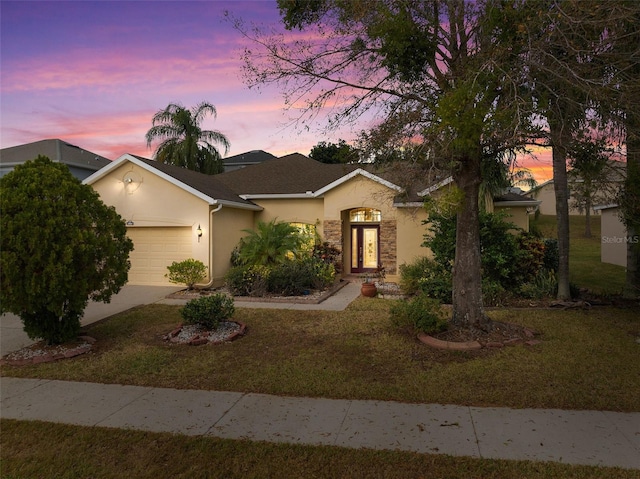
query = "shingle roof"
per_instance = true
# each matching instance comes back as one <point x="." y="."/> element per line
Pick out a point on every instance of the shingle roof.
<point x="513" y="197"/>
<point x="248" y="158"/>
<point x="207" y="184"/>
<point x="291" y="174"/>
<point x="56" y="150"/>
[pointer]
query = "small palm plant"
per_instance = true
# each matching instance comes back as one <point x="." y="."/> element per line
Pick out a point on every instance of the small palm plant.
<point x="271" y="243"/>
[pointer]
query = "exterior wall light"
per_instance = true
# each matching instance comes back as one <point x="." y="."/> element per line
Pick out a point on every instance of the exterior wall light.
<point x="199" y="233"/>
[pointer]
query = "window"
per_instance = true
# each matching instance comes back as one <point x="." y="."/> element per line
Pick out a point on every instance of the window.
<point x="365" y="215"/>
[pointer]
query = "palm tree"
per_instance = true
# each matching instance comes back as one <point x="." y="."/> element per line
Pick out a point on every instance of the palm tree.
<point x="183" y="142"/>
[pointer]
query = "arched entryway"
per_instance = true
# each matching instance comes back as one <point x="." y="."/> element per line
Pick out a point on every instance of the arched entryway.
<point x="365" y="239"/>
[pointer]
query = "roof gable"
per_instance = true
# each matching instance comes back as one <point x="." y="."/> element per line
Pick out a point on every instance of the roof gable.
<point x="205" y="187"/>
<point x="295" y="176"/>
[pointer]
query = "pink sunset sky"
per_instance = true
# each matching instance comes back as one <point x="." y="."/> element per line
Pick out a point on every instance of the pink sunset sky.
<point x="93" y="73"/>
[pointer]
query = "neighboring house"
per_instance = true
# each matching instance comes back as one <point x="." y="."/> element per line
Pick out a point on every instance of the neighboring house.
<point x="614" y="236"/>
<point x="81" y="163"/>
<point x="243" y="160"/>
<point x="546" y="194"/>
<point x="173" y="214"/>
<point x="517" y="206"/>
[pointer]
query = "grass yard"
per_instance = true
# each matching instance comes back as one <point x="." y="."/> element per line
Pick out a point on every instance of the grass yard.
<point x="585" y="268"/>
<point x="587" y="358"/>
<point x="47" y="450"/>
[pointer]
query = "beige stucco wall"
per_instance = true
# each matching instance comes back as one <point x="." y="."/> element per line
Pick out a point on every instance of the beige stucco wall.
<point x="516" y="215"/>
<point x="298" y="210"/>
<point x="547" y="195"/>
<point x="155" y="202"/>
<point x="613" y="248"/>
<point x="227" y="227"/>
<point x="411" y="233"/>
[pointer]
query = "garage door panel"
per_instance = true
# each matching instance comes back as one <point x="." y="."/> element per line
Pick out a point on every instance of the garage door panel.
<point x="154" y="250"/>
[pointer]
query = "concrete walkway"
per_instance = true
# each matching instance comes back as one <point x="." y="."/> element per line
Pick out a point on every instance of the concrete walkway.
<point x="571" y="437"/>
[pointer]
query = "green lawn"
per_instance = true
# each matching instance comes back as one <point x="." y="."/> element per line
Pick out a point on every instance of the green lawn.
<point x="585" y="268"/>
<point x="588" y="359"/>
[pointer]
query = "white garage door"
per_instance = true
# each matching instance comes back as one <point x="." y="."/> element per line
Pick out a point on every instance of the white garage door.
<point x="154" y="250"/>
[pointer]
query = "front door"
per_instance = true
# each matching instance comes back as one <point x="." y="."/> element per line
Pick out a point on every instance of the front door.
<point x="365" y="254"/>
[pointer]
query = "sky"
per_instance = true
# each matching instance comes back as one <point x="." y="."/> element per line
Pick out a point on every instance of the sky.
<point x="93" y="73"/>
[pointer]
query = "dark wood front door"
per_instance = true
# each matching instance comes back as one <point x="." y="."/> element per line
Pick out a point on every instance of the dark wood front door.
<point x="365" y="250"/>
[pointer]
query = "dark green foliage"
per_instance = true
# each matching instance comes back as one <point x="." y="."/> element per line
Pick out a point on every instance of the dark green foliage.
<point x="426" y="276"/>
<point x="332" y="153"/>
<point x="543" y="285"/>
<point x="189" y="272"/>
<point x="551" y="256"/>
<point x="61" y="247"/>
<point x="421" y="313"/>
<point x="271" y="243"/>
<point x="293" y="278"/>
<point x="183" y="142"/>
<point x="328" y="254"/>
<point x="208" y="311"/>
<point x="247" y="280"/>
<point x="501" y="251"/>
<point x="290" y="278"/>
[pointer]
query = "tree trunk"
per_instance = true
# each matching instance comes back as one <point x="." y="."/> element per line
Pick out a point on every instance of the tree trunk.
<point x="587" y="213"/>
<point x="468" y="309"/>
<point x="632" y="192"/>
<point x="559" y="141"/>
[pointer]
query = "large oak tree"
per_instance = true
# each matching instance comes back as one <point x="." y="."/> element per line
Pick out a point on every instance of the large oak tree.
<point x="443" y="77"/>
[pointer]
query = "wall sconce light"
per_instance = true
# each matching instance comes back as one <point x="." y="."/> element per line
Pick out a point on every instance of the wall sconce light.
<point x="199" y="233"/>
<point x="132" y="181"/>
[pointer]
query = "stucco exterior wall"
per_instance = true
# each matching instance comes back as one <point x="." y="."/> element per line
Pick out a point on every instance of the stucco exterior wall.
<point x="227" y="227"/>
<point x="302" y="210"/>
<point x="411" y="233"/>
<point x="613" y="248"/>
<point x="151" y="201"/>
<point x="547" y="195"/>
<point x="516" y="215"/>
<point x="359" y="192"/>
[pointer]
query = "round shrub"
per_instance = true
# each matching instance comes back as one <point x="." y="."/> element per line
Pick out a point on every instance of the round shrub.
<point x="189" y="272"/>
<point x="208" y="311"/>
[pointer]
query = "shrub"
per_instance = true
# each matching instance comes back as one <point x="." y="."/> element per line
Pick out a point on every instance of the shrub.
<point x="271" y="243"/>
<point x="208" y="311"/>
<point x="189" y="272"/>
<point x="551" y="257"/>
<point x="426" y="276"/>
<point x="543" y="285"/>
<point x="294" y="277"/>
<point x="507" y="259"/>
<point x="247" y="280"/>
<point x="60" y="247"/>
<point x="328" y="254"/>
<point x="421" y="313"/>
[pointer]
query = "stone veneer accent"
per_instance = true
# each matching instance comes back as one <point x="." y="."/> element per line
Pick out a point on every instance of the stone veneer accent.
<point x="333" y="233"/>
<point x="389" y="245"/>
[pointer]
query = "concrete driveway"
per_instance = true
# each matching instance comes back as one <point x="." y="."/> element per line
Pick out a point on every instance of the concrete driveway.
<point x="12" y="336"/>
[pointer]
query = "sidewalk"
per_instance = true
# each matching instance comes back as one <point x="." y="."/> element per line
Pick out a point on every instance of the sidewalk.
<point x="570" y="437"/>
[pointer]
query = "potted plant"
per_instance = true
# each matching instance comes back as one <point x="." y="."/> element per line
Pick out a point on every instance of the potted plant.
<point x="368" y="288"/>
